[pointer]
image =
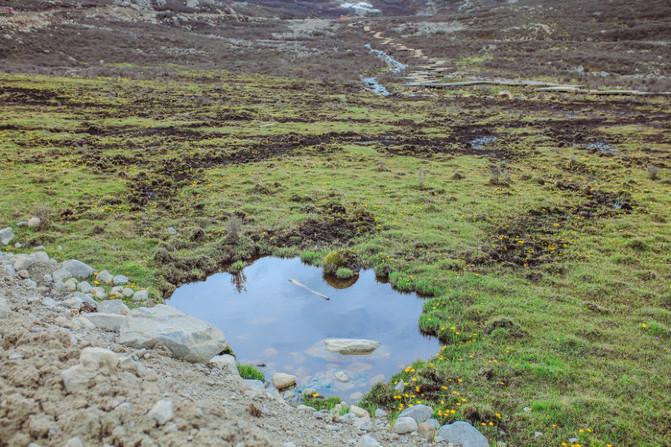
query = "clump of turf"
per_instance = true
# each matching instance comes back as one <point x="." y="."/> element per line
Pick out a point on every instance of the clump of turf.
<point x="250" y="372"/>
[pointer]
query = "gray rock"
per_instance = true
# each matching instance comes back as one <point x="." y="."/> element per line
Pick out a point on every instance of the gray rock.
<point x="188" y="338"/>
<point x="368" y="441"/>
<point x="99" y="358"/>
<point x="104" y="321"/>
<point x="358" y="411"/>
<point x="283" y="381"/>
<point x="74" y="442"/>
<point x="98" y="293"/>
<point x="400" y="386"/>
<point x="6" y="235"/>
<point x="434" y="423"/>
<point x="4" y="307"/>
<point x="349" y="346"/>
<point x="23" y="274"/>
<point x="105" y="277"/>
<point x="254" y="384"/>
<point x="84" y="287"/>
<point x="120" y="280"/>
<point x="70" y="285"/>
<point x="48" y="302"/>
<point x="127" y="292"/>
<point x="224" y="362"/>
<point x="77" y="269"/>
<point x="161" y="412"/>
<point x="34" y="222"/>
<point x="342" y="376"/>
<point x="116" y="292"/>
<point x="462" y="433"/>
<point x="419" y="413"/>
<point x="405" y="425"/>
<point x="141" y="295"/>
<point x="76" y="300"/>
<point x="380" y="413"/>
<point x="426" y="431"/>
<point x="61" y="275"/>
<point x="113" y="307"/>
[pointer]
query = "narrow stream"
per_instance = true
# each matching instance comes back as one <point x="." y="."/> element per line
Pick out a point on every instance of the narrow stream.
<point x="395" y="66"/>
<point x="271" y="321"/>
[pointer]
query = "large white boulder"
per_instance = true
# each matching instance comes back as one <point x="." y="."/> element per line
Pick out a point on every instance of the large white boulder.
<point x="461" y="433"/>
<point x="188" y="338"/>
<point x="355" y="346"/>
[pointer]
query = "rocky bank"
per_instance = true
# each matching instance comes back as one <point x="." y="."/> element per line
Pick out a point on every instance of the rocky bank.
<point x="79" y="368"/>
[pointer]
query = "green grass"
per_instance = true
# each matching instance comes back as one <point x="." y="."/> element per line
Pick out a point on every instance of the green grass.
<point x="319" y="402"/>
<point x="554" y="308"/>
<point x="250" y="372"/>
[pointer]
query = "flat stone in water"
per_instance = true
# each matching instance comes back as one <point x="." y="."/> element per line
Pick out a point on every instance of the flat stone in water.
<point x="270" y="321"/>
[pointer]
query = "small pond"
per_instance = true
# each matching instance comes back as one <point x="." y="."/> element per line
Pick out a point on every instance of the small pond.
<point x="270" y="320"/>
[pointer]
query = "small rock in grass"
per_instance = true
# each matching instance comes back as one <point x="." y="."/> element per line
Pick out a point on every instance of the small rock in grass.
<point x="405" y="425"/>
<point x="141" y="295"/>
<point x="84" y="287"/>
<point x="98" y="293"/>
<point x="120" y="280"/>
<point x="161" y="412"/>
<point x="127" y="292"/>
<point x="34" y="222"/>
<point x="419" y="413"/>
<point x="105" y="277"/>
<point x="6" y="235"/>
<point x="400" y="386"/>
<point x="283" y="381"/>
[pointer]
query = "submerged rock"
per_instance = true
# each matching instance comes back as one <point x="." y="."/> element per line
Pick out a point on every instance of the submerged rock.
<point x="188" y="338"/>
<point x="351" y="346"/>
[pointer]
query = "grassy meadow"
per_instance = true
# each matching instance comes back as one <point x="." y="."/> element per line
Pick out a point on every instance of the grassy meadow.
<point x="545" y="265"/>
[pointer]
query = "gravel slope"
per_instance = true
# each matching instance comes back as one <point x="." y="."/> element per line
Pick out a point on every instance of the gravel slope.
<point x="46" y="398"/>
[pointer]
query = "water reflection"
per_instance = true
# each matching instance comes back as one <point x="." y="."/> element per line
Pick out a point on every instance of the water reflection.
<point x="271" y="321"/>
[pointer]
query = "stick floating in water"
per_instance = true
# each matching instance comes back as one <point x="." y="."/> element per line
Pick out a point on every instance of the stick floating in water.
<point x="314" y="292"/>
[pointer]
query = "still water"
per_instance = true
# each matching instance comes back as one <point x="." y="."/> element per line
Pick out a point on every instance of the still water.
<point x="270" y="321"/>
